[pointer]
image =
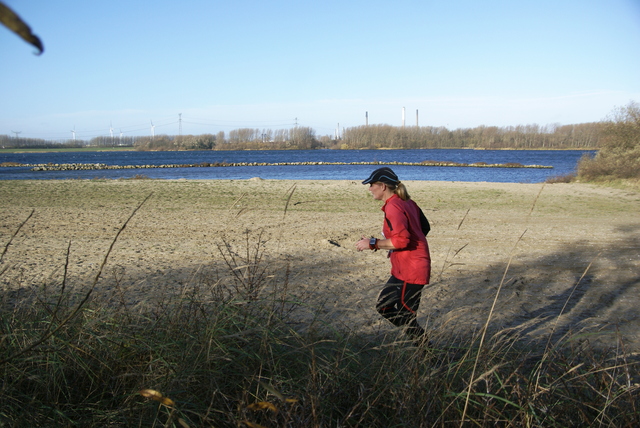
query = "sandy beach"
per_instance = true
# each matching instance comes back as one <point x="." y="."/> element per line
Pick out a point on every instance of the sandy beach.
<point x="555" y="258"/>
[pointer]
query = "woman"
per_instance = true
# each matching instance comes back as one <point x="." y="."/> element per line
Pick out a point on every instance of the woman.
<point x="404" y="234"/>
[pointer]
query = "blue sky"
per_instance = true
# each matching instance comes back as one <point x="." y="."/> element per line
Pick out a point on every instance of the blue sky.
<point x="321" y="64"/>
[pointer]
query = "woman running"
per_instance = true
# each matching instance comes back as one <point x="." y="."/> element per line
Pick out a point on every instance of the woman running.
<point x="404" y="234"/>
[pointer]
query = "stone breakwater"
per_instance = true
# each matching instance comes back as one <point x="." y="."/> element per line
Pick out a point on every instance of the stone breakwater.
<point x="99" y="166"/>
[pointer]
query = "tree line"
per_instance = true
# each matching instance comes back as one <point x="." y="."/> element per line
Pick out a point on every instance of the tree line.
<point x="579" y="136"/>
<point x="582" y="136"/>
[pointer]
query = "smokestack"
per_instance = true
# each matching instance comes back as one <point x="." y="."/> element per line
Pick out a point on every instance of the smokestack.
<point x="366" y="118"/>
<point x="416" y="118"/>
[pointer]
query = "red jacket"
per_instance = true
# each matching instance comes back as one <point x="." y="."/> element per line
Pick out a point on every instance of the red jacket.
<point x="410" y="261"/>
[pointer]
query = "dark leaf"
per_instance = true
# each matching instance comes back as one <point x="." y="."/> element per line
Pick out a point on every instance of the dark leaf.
<point x="13" y="22"/>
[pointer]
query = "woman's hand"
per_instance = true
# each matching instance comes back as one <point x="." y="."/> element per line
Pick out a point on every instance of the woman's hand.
<point x="362" y="244"/>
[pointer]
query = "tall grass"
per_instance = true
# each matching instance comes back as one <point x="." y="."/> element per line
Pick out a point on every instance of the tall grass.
<point x="222" y="363"/>
<point x="224" y="350"/>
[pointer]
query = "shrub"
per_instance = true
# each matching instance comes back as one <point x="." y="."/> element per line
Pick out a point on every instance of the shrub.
<point x="567" y="178"/>
<point x="619" y="155"/>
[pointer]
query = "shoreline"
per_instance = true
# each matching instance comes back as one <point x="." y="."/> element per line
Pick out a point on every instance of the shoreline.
<point x="133" y="149"/>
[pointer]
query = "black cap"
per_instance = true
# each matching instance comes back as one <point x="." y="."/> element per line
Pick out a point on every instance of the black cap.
<point x="383" y="175"/>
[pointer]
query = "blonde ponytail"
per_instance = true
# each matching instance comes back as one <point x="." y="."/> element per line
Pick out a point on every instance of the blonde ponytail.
<point x="400" y="190"/>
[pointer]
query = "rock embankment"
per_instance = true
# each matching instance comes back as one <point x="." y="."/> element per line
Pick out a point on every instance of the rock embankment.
<point x="99" y="166"/>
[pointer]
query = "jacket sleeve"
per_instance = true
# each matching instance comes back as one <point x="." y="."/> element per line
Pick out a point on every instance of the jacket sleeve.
<point x="398" y="225"/>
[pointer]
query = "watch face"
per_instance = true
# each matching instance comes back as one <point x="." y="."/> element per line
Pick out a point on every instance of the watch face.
<point x="372" y="241"/>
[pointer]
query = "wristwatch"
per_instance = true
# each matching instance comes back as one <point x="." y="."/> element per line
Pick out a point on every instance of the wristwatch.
<point x="373" y="244"/>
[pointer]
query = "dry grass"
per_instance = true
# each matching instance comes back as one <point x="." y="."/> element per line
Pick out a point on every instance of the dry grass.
<point x="223" y="350"/>
<point x="210" y="357"/>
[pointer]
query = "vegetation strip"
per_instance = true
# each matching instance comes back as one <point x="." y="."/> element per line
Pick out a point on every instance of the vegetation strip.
<point x="98" y="166"/>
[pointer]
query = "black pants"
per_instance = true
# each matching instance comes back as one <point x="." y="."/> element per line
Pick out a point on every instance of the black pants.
<point x="398" y="302"/>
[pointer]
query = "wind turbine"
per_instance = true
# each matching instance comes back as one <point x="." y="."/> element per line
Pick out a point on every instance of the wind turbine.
<point x="111" y="130"/>
<point x="73" y="132"/>
<point x="153" y="130"/>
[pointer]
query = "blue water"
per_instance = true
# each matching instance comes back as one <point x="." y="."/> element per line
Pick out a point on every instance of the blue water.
<point x="563" y="162"/>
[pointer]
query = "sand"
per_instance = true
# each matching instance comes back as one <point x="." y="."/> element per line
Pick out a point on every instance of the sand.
<point x="555" y="261"/>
